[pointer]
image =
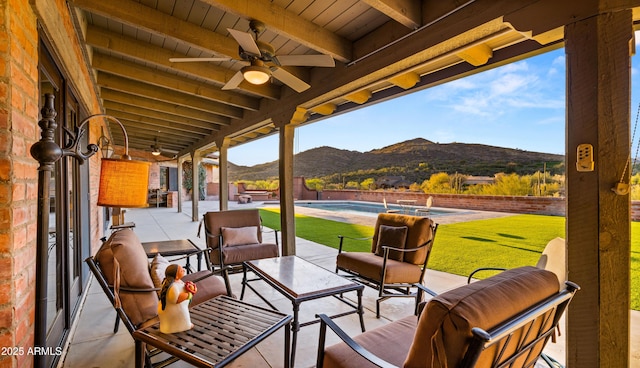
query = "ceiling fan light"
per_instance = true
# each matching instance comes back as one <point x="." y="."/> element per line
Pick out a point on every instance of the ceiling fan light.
<point x="255" y="74"/>
<point x="155" y="152"/>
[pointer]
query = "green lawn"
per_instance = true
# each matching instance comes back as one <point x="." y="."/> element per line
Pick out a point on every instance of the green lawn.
<point x="460" y="248"/>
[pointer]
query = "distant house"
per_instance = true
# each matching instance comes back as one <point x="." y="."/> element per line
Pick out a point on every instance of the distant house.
<point x="395" y="182"/>
<point x="478" y="180"/>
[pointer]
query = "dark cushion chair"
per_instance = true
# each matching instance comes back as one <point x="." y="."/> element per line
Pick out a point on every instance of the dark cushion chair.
<point x="234" y="237"/>
<point x="505" y="319"/>
<point x="397" y="262"/>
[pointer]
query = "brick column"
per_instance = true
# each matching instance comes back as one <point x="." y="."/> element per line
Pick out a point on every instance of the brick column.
<point x="18" y="178"/>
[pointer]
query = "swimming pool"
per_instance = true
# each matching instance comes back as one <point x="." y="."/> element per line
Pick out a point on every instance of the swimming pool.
<point x="368" y="208"/>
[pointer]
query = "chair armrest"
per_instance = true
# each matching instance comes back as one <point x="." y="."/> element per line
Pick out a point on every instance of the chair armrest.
<point x="274" y="231"/>
<point x="326" y="321"/>
<point x="420" y="302"/>
<point x="403" y="250"/>
<point x="199" y="251"/>
<point x="342" y="237"/>
<point x="135" y="290"/>
<point x="483" y="269"/>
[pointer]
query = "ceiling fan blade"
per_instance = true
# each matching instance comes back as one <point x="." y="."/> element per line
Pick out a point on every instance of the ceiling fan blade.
<point x="234" y="82"/>
<point x="189" y="60"/>
<point x="307" y="60"/>
<point x="289" y="79"/>
<point x="246" y="41"/>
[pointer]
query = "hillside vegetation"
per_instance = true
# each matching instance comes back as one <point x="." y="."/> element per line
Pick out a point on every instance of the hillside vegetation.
<point x="416" y="160"/>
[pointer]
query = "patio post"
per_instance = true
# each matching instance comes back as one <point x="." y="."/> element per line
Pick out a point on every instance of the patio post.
<point x="180" y="182"/>
<point x="195" y="179"/>
<point x="598" y="51"/>
<point x="223" y="172"/>
<point x="287" y="214"/>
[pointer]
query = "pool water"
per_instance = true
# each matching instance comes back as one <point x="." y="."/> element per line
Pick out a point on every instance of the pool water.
<point x="367" y="208"/>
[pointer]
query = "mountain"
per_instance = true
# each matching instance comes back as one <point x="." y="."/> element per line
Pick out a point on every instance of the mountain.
<point x="414" y="159"/>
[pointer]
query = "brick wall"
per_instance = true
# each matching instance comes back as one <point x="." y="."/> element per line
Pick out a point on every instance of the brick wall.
<point x="18" y="177"/>
<point x="511" y="204"/>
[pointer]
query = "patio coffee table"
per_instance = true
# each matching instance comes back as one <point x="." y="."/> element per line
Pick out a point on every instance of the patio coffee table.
<point x="224" y="328"/>
<point x="301" y="281"/>
<point x="168" y="248"/>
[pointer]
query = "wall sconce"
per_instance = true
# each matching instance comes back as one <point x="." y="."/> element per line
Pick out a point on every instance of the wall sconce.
<point x="105" y="145"/>
<point x="123" y="183"/>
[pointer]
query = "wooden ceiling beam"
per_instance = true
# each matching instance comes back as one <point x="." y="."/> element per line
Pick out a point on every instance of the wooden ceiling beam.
<point x="112" y="42"/>
<point x="154" y="21"/>
<point x="146" y="142"/>
<point x="189" y="116"/>
<point x="282" y="21"/>
<point x="162" y="94"/>
<point x="159" y="124"/>
<point x="175" y="121"/>
<point x="166" y="80"/>
<point x="406" y="12"/>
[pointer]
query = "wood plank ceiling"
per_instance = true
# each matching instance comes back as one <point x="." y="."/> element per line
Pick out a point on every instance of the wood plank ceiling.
<point x="382" y="49"/>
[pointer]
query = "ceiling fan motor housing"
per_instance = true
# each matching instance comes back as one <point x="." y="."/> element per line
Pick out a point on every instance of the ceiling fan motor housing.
<point x="267" y="52"/>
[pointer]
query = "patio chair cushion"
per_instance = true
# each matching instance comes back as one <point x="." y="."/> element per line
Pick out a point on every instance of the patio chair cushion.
<point x="418" y="233"/>
<point x="389" y="342"/>
<point x="231" y="219"/>
<point x="393" y="236"/>
<point x="444" y="327"/>
<point x="370" y="265"/>
<point x="124" y="247"/>
<point x="240" y="235"/>
<point x="157" y="270"/>
<point x="248" y="252"/>
<point x="209" y="286"/>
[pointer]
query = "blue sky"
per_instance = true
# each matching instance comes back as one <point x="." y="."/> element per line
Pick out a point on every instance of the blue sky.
<point x="520" y="105"/>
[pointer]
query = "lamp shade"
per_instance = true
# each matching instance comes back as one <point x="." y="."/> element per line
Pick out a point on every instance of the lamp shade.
<point x="123" y="183"/>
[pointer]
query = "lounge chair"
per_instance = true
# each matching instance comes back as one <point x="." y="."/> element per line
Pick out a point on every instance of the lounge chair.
<point x="235" y="237"/>
<point x="502" y="321"/>
<point x="426" y="208"/>
<point x="553" y="258"/>
<point x="400" y="249"/>
<point x="386" y="207"/>
<point x="122" y="269"/>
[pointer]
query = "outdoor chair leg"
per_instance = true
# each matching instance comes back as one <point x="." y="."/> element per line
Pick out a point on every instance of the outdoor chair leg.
<point x="117" y="324"/>
<point x="244" y="281"/>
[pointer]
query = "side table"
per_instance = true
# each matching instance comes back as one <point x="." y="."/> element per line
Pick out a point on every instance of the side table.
<point x="224" y="328"/>
<point x="167" y="248"/>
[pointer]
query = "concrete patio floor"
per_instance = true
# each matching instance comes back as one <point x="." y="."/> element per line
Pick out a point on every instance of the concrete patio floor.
<point x="93" y="343"/>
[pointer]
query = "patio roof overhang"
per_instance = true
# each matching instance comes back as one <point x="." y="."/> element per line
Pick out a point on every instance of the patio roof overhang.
<point x="382" y="49"/>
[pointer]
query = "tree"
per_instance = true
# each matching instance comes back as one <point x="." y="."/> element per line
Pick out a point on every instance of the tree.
<point x="368" y="184"/>
<point x="510" y="184"/>
<point x="187" y="182"/>
<point x="437" y="183"/>
<point x="352" y="185"/>
<point x="315" y="184"/>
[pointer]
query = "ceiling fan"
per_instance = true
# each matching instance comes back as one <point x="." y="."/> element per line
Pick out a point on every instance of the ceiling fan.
<point x="262" y="61"/>
<point x="156" y="150"/>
